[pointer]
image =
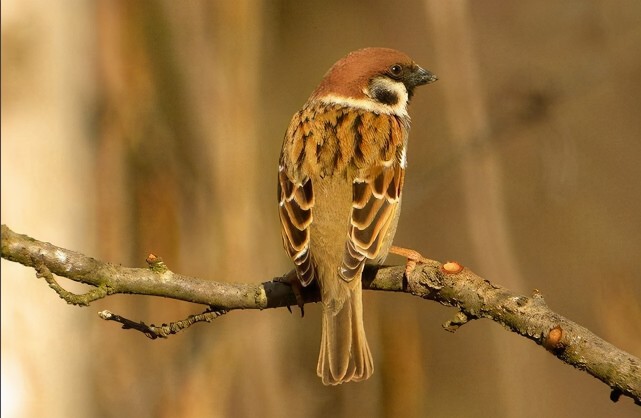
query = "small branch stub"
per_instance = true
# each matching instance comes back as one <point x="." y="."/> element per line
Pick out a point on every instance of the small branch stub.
<point x="553" y="340"/>
<point x="156" y="264"/>
<point x="452" y="267"/>
<point x="460" y="319"/>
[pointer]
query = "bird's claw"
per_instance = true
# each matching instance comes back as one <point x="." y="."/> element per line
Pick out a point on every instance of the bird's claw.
<point x="292" y="280"/>
<point x="413" y="258"/>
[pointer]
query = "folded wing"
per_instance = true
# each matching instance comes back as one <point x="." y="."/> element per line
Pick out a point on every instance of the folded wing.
<point x="296" y="200"/>
<point x="376" y="195"/>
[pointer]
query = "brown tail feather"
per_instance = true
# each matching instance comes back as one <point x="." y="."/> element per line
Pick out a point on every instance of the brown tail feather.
<point x="344" y="353"/>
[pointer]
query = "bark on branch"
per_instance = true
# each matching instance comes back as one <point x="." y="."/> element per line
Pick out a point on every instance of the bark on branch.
<point x="448" y="284"/>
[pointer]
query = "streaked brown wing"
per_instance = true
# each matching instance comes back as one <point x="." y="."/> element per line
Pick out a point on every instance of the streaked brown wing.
<point x="295" y="202"/>
<point x="375" y="200"/>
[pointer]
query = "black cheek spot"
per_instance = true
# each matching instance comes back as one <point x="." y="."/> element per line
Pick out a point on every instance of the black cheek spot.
<point x="385" y="96"/>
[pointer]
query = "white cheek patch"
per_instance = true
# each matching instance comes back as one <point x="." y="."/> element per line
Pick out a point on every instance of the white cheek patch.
<point x="371" y="105"/>
<point x="396" y="88"/>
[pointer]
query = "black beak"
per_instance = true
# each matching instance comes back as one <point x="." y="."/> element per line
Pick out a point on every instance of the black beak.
<point x="421" y="76"/>
<point x="417" y="77"/>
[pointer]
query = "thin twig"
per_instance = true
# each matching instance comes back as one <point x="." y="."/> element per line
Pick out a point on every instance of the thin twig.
<point x="42" y="271"/>
<point x="165" y="330"/>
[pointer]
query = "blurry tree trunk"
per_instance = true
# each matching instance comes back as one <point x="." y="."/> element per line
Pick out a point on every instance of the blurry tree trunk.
<point x="46" y="163"/>
<point x="178" y="162"/>
<point x="453" y="35"/>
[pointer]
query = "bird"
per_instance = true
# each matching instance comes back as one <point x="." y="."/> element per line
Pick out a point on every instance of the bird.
<point x="340" y="180"/>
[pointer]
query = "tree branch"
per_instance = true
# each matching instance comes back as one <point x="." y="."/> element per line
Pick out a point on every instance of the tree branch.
<point x="449" y="284"/>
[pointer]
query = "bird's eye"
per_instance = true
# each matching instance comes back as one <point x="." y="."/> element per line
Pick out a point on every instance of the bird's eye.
<point x="396" y="70"/>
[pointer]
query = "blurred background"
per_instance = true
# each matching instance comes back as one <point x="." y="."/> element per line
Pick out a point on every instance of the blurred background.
<point x="138" y="127"/>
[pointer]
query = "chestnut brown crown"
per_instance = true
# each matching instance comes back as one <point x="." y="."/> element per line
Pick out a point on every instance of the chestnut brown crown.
<point x="379" y="74"/>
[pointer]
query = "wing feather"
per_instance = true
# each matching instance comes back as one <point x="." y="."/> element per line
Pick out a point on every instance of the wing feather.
<point x="375" y="201"/>
<point x="296" y="200"/>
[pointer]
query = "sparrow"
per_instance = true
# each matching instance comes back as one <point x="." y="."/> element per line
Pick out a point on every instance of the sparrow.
<point x="340" y="181"/>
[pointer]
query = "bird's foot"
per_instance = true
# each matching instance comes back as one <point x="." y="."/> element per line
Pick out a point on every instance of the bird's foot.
<point x="413" y="258"/>
<point x="292" y="280"/>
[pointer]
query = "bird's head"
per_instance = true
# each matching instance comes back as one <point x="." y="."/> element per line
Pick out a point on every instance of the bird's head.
<point x="376" y="79"/>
